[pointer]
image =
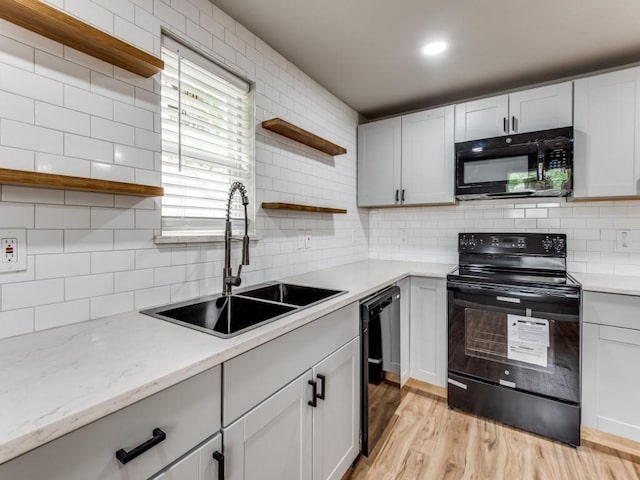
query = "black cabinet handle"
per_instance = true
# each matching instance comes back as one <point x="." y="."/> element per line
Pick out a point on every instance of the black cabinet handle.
<point x="323" y="391"/>
<point x="397" y="196"/>
<point x="218" y="457"/>
<point x="314" y="396"/>
<point x="126" y="457"/>
<point x="402" y="197"/>
<point x="513" y="123"/>
<point x="505" y="125"/>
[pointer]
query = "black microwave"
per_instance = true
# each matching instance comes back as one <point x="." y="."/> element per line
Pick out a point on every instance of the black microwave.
<point x="527" y="164"/>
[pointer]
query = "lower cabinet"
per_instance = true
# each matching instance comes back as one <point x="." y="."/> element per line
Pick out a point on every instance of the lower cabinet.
<point x="405" y="310"/>
<point x="428" y="330"/>
<point x="204" y="463"/>
<point x="162" y="428"/>
<point x="611" y="353"/>
<point x="307" y="430"/>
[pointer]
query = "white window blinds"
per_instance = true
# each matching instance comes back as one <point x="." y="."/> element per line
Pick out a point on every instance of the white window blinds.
<point x="207" y="142"/>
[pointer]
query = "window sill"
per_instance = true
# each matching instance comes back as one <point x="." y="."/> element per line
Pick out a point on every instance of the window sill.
<point x="188" y="239"/>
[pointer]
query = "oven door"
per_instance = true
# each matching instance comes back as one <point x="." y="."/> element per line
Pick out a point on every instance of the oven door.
<point x="527" y="339"/>
<point x="496" y="171"/>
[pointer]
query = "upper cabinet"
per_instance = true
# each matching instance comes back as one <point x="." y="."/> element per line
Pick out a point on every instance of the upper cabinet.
<point x="607" y="131"/>
<point x="407" y="160"/>
<point x="520" y="112"/>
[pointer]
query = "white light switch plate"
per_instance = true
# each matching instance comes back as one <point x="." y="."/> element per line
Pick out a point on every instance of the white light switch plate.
<point x="13" y="250"/>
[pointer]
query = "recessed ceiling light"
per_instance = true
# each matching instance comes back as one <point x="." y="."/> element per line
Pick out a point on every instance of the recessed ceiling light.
<point x="434" y="48"/>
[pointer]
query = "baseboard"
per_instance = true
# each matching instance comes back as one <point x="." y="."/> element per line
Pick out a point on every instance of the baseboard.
<point x="610" y="443"/>
<point x="424" y="388"/>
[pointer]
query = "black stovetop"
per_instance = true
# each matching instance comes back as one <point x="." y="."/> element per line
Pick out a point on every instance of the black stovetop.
<point x="486" y="274"/>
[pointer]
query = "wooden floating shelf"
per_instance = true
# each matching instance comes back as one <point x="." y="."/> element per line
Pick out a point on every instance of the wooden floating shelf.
<point x="299" y="135"/>
<point x="61" y="27"/>
<point x="66" y="182"/>
<point x="301" y="208"/>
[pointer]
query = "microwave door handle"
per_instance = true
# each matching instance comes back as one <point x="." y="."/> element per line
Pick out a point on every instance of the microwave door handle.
<point x="505" y="125"/>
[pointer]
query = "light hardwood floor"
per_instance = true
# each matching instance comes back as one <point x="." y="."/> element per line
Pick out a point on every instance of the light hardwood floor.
<point x="430" y="442"/>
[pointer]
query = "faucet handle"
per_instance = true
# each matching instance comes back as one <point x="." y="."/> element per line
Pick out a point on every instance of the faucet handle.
<point x="245" y="250"/>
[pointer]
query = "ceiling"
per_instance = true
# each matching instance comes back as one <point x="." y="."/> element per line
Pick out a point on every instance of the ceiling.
<point x="367" y="52"/>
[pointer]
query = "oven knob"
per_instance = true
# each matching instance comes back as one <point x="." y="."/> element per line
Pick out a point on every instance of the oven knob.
<point x="558" y="244"/>
<point x="506" y="372"/>
<point x="547" y="243"/>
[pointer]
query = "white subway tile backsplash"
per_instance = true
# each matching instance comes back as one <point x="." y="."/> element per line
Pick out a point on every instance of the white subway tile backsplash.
<point x="16" y="53"/>
<point x="112" y="218"/>
<point x="88" y="240"/>
<point x="62" y="265"/>
<point x="133" y="34"/>
<point x="16" y="322"/>
<point x="17" y="159"/>
<point x="133" y="280"/>
<point x="50" y="216"/>
<point x="88" y="148"/>
<point x="116" y="173"/>
<point x="60" y="165"/>
<point x="91" y="13"/>
<point x="133" y="157"/>
<point x="148" y="140"/>
<point x="185" y="291"/>
<point x="12" y="193"/>
<point x="17" y="215"/>
<point x="29" y="294"/>
<point x="59" y="118"/>
<point x="111" y="304"/>
<point x="110" y="87"/>
<point x="112" y="131"/>
<point x="17" y="107"/>
<point x="170" y="275"/>
<point x="23" y="135"/>
<point x="152" y="297"/>
<point x="132" y="239"/>
<point x="42" y="242"/>
<point x="91" y="199"/>
<point x="103" y="262"/>
<point x="148" y="219"/>
<point x="87" y="102"/>
<point x="59" y="314"/>
<point x="56" y="68"/>
<point x="88" y="286"/>
<point x="88" y="61"/>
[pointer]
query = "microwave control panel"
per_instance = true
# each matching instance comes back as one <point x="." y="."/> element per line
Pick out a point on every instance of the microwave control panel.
<point x="558" y="158"/>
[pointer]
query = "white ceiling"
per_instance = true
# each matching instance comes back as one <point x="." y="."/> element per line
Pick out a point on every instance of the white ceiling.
<point x="367" y="52"/>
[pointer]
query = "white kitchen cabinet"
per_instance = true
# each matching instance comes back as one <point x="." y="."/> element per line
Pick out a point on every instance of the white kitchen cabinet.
<point x="610" y="355"/>
<point x="405" y="309"/>
<point x="379" y="162"/>
<point x="274" y="440"/>
<point x="291" y="435"/>
<point x="429" y="330"/>
<point x="198" y="465"/>
<point x="336" y="418"/>
<point x="187" y="413"/>
<point x="407" y="160"/>
<point x="529" y="110"/>
<point x="281" y="435"/>
<point x="607" y="135"/>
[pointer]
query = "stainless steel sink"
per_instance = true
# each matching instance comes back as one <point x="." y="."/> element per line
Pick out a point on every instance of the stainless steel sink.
<point x="223" y="316"/>
<point x="298" y="295"/>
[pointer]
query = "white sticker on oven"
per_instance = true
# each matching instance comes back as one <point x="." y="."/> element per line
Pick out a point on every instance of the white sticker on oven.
<point x="528" y="339"/>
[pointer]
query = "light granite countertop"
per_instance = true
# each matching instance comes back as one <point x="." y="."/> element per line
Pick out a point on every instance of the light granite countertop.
<point x="55" y="381"/>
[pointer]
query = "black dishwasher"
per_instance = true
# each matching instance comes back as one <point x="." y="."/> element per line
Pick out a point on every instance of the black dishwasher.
<point x="380" y="364"/>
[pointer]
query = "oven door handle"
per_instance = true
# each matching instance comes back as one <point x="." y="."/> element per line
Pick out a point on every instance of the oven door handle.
<point x="510" y="294"/>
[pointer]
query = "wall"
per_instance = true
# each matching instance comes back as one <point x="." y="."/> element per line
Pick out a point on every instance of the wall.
<point x="431" y="233"/>
<point x="91" y="255"/>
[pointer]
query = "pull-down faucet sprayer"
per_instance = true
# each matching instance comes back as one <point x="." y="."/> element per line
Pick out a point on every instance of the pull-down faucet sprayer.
<point x="228" y="279"/>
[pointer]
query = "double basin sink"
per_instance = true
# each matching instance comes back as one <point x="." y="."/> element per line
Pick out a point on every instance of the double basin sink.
<point x="228" y="316"/>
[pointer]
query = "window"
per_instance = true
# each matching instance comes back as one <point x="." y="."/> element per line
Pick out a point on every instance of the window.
<point x="207" y="143"/>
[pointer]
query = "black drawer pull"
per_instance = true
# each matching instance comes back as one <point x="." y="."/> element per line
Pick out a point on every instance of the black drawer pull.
<point x="125" y="457"/>
<point x="323" y="392"/>
<point x="314" y="396"/>
<point x="218" y="457"/>
<point x="397" y="196"/>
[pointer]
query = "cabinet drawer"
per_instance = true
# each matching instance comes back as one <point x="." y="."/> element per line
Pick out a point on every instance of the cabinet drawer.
<point x="611" y="309"/>
<point x="257" y="374"/>
<point x="187" y="413"/>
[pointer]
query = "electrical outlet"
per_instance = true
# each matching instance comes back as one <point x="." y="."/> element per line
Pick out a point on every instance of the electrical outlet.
<point x="301" y="239"/>
<point x="353" y="236"/>
<point x="624" y="240"/>
<point x="403" y="235"/>
<point x="307" y="239"/>
<point x="13" y="250"/>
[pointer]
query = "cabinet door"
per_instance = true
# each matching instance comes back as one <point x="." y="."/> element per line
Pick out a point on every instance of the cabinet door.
<point x="607" y="131"/>
<point x="484" y="118"/>
<point x="429" y="330"/>
<point x="379" y="149"/>
<point x="274" y="439"/>
<point x="427" y="157"/>
<point x="336" y="420"/>
<point x="541" y="108"/>
<point x="610" y="388"/>
<point x="198" y="465"/>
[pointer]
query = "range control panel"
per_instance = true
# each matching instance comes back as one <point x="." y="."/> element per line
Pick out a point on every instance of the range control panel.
<point x="513" y="243"/>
